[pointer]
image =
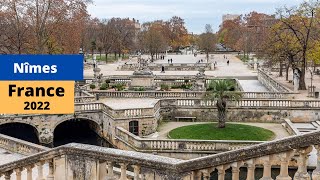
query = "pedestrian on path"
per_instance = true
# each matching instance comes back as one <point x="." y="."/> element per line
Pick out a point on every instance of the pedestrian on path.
<point x="228" y="62"/>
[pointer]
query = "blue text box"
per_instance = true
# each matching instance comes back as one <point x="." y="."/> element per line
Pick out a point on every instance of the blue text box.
<point x="41" y="67"/>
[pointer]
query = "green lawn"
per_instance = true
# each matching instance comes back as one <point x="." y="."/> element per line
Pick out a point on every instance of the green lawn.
<point x="231" y="132"/>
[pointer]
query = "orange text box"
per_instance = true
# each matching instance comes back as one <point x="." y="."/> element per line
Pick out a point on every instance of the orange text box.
<point x="36" y="97"/>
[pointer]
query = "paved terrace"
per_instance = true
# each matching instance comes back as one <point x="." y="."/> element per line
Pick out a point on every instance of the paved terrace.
<point x="236" y="67"/>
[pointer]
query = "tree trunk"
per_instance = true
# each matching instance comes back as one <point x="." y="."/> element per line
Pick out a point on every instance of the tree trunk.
<point x="287" y="72"/>
<point x="221" y="106"/>
<point x="302" y="83"/>
<point x="106" y="57"/>
<point x="280" y="73"/>
<point x="115" y="55"/>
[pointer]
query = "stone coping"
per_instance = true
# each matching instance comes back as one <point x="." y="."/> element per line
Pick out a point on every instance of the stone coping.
<point x="170" y="164"/>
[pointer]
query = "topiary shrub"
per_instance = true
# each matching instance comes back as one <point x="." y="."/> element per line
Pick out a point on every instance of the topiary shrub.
<point x="104" y="86"/>
<point x="92" y="86"/>
<point x="164" y="87"/>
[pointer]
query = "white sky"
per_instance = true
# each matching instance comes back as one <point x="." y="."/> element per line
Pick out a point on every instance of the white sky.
<point x="196" y="13"/>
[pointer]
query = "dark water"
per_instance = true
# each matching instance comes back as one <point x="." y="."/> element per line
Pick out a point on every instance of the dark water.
<point x="21" y="131"/>
<point x="78" y="131"/>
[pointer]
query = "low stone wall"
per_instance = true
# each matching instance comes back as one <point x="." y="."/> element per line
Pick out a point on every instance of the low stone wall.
<point x="270" y="83"/>
<point x="243" y="111"/>
<point x="20" y="146"/>
<point x="168" y="67"/>
<point x="185" y="149"/>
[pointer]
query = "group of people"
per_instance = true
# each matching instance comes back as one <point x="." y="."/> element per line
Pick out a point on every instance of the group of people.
<point x="170" y="61"/>
<point x="200" y="61"/>
<point x="162" y="57"/>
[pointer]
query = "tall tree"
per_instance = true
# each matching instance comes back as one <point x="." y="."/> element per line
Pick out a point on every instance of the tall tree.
<point x="300" y="22"/>
<point x="207" y="41"/>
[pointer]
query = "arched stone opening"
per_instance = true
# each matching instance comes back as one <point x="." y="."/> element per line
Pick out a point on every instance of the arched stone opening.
<point x="79" y="131"/>
<point x="21" y="131"/>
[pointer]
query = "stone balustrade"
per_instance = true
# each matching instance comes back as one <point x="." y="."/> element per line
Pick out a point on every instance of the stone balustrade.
<point x="185" y="94"/>
<point x="77" y="161"/>
<point x="168" y="67"/>
<point x="247" y="103"/>
<point x="270" y="83"/>
<point x="174" y="145"/>
<point x="84" y="107"/>
<point x="20" y="146"/>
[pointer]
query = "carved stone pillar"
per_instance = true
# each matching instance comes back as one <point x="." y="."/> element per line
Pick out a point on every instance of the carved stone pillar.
<point x="29" y="172"/>
<point x="123" y="171"/>
<point x="102" y="170"/>
<point x="196" y="175"/>
<point x="40" y="171"/>
<point x="316" y="172"/>
<point x="110" y="169"/>
<point x="18" y="173"/>
<point x="51" y="173"/>
<point x="7" y="175"/>
<point x="302" y="173"/>
<point x="136" y="170"/>
<point x="251" y="166"/>
<point x="206" y="173"/>
<point x="266" y="168"/>
<point x="284" y="161"/>
<point x="221" y="172"/>
<point x="236" y="170"/>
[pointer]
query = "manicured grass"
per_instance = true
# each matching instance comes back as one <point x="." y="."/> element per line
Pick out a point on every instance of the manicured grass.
<point x="230" y="132"/>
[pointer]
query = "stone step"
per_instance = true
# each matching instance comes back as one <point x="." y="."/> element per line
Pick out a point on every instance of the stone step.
<point x="315" y="124"/>
<point x="307" y="129"/>
<point x="318" y="122"/>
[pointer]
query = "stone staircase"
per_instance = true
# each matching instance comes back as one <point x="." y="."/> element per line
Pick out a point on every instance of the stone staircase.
<point x="307" y="127"/>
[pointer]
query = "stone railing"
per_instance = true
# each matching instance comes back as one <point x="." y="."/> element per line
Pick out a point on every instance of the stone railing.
<point x="77" y="161"/>
<point x="270" y="83"/>
<point x="185" y="94"/>
<point x="175" y="145"/>
<point x="168" y="67"/>
<point x="245" y="103"/>
<point x="19" y="146"/>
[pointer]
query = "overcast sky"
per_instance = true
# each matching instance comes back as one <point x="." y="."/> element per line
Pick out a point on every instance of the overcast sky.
<point x="196" y="13"/>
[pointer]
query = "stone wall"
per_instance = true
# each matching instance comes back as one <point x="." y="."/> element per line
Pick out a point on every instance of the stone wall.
<point x="242" y="115"/>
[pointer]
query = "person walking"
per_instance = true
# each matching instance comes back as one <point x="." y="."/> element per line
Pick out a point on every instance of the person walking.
<point x="228" y="62"/>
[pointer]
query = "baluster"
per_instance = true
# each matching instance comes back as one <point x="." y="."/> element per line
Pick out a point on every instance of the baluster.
<point x="206" y="173"/>
<point x="266" y="168"/>
<point x="102" y="170"/>
<point x="7" y="175"/>
<point x="284" y="160"/>
<point x="50" y="174"/>
<point x="18" y="173"/>
<point x="316" y="172"/>
<point x="136" y="170"/>
<point x="196" y="175"/>
<point x="236" y="170"/>
<point x="302" y="173"/>
<point x="110" y="170"/>
<point x="123" y="175"/>
<point x="29" y="172"/>
<point x="40" y="171"/>
<point x="250" y="169"/>
<point x="221" y="172"/>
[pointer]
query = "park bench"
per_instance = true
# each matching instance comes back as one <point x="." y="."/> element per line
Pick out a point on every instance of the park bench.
<point x="186" y="118"/>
